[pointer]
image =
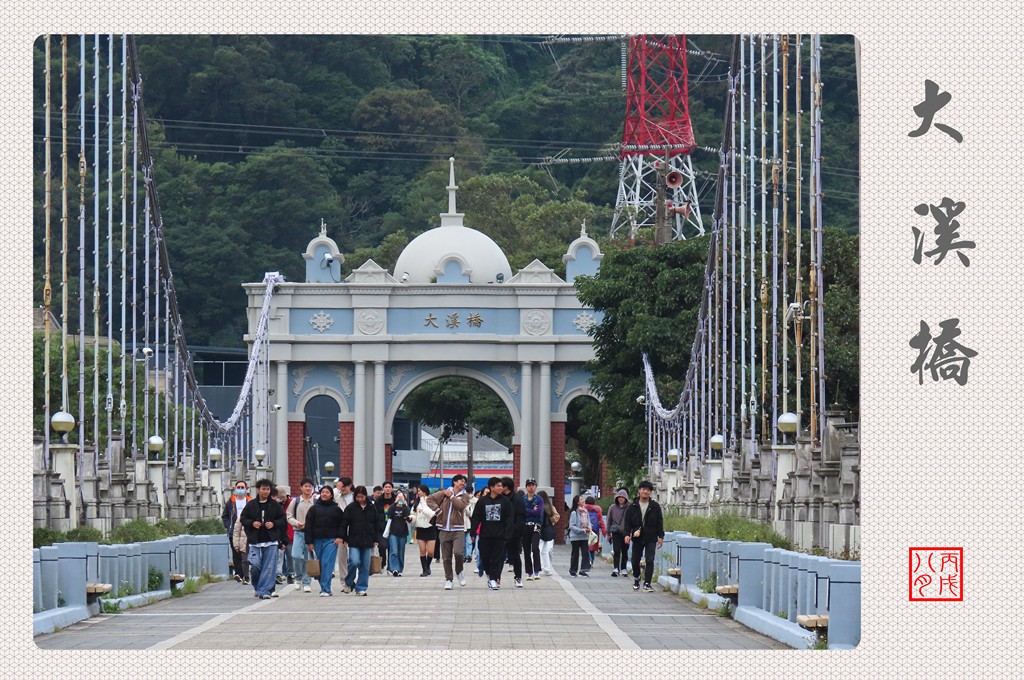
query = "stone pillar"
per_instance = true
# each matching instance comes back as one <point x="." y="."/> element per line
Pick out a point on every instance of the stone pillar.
<point x="388" y="459"/>
<point x="282" y="451"/>
<point x="544" y="428"/>
<point x="157" y="470"/>
<point x="346" y="432"/>
<point x="62" y="459"/>
<point x="360" y="470"/>
<point x="379" y="464"/>
<point x="517" y="458"/>
<point x="786" y="463"/>
<point x="558" y="477"/>
<point x="526" y="431"/>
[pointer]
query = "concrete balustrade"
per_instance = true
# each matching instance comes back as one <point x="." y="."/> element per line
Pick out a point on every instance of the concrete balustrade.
<point x="63" y="572"/>
<point x="775" y="586"/>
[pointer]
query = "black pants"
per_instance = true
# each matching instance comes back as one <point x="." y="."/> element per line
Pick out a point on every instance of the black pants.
<point x="513" y="548"/>
<point x="491" y="553"/>
<point x="580" y="556"/>
<point x="639" y="548"/>
<point x="382" y="550"/>
<point x="531" y="550"/>
<point x="620" y="553"/>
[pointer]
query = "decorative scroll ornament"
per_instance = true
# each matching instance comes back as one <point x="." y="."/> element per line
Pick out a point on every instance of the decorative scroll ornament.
<point x="321" y="321"/>
<point x="510" y="375"/>
<point x="397" y="373"/>
<point x="344" y="374"/>
<point x="299" y="376"/>
<point x="536" y="322"/>
<point x="584" y="321"/>
<point x="561" y="378"/>
<point x="370" y="321"/>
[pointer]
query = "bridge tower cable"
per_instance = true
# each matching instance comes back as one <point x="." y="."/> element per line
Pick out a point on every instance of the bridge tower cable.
<point x="47" y="244"/>
<point x="657" y="139"/>
<point x="83" y="431"/>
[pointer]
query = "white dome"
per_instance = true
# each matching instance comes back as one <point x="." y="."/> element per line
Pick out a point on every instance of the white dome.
<point x="452" y="249"/>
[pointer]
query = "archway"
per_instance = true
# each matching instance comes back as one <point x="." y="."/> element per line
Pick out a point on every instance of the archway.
<point x="445" y="423"/>
<point x="321" y="435"/>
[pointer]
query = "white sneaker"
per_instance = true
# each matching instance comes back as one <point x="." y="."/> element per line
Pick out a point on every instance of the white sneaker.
<point x="492" y="584"/>
<point x="306" y="589"/>
<point x="447" y="585"/>
<point x="462" y="578"/>
<point x="519" y="583"/>
<point x="298" y="586"/>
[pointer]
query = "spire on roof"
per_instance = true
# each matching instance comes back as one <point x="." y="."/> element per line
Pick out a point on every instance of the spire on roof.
<point x="452" y="218"/>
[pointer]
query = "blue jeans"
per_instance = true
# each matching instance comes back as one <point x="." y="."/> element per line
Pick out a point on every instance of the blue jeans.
<point x="326" y="551"/>
<point x="396" y="553"/>
<point x="263" y="568"/>
<point x="300" y="554"/>
<point x="468" y="554"/>
<point x="358" y="560"/>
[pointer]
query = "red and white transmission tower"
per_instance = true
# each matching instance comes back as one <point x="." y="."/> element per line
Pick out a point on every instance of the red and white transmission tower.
<point x="657" y="140"/>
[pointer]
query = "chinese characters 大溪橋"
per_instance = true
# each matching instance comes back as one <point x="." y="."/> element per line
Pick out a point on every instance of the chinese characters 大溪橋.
<point x="941" y="355"/>
<point x="946" y="231"/>
<point x="926" y="110"/>
<point x="452" y="320"/>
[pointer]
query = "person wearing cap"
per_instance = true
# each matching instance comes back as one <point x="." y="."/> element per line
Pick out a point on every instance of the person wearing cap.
<point x="616" y="533"/>
<point x="644" y="529"/>
<point x="531" y="533"/>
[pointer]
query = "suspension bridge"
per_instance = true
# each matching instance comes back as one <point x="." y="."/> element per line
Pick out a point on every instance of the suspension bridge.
<point x="752" y="431"/>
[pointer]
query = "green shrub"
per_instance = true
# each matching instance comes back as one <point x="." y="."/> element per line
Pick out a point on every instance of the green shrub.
<point x="110" y="607"/>
<point x="207" y="526"/>
<point x="43" y="536"/>
<point x="708" y="583"/>
<point x="136" y="531"/>
<point x="169" y="527"/>
<point x="155" y="579"/>
<point x="84" y="534"/>
<point x="728" y="526"/>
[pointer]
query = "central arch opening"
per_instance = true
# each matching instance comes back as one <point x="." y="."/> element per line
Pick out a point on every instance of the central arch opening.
<point x="451" y="425"/>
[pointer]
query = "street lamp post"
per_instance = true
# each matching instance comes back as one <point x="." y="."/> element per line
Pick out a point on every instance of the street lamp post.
<point x="785" y="456"/>
<point x="575" y="479"/>
<point x="329" y="478"/>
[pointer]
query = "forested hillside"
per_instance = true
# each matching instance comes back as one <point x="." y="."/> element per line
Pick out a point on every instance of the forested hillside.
<point x="256" y="138"/>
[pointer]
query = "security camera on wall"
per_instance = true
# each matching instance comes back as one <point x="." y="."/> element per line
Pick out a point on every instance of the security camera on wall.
<point x="328" y="259"/>
<point x="275" y="407"/>
<point x="405" y="276"/>
<point x="147" y="351"/>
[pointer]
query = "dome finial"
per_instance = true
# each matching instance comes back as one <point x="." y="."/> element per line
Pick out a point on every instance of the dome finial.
<point x="452" y="218"/>
<point x="583" y="229"/>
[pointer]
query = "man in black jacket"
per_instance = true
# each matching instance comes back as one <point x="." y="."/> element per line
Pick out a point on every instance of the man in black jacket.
<point x="263" y="520"/>
<point x="382" y="504"/>
<point x="644" y="527"/>
<point x="515" y="542"/>
<point x="493" y="516"/>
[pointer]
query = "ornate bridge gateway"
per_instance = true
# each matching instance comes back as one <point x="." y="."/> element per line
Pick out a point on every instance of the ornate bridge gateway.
<point x="452" y="307"/>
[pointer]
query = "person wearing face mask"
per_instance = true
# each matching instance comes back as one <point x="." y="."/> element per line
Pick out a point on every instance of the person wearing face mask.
<point x="398" y="534"/>
<point x="232" y="509"/>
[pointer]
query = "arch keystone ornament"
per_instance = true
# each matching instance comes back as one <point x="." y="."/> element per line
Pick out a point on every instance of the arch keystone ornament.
<point x="537" y="322"/>
<point x="370" y="321"/>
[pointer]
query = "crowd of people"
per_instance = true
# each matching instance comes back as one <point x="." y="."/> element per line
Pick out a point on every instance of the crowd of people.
<point x="341" y="530"/>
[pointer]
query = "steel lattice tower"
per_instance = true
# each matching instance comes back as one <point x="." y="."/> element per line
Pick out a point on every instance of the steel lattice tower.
<point x="657" y="139"/>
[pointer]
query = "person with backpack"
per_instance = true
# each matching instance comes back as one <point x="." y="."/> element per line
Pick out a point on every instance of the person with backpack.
<point x="323" y="530"/>
<point x="296" y="514"/>
<point x="645" y="528"/>
<point x="597" y="526"/>
<point x="616" y="532"/>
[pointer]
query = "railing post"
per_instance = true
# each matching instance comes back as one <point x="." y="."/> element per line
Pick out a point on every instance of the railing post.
<point x="751" y="576"/>
<point x="71" y="572"/>
<point x="844" y="605"/>
<point x="37" y="581"/>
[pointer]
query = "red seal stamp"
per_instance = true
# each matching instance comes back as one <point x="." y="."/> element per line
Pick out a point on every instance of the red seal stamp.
<point x="936" y="574"/>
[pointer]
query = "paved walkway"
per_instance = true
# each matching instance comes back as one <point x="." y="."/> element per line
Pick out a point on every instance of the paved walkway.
<point x="599" y="612"/>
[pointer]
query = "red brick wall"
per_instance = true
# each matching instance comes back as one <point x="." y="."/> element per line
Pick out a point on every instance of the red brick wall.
<point x="607" y="481"/>
<point x="296" y="454"/>
<point x="387" y="461"/>
<point x="515" y="464"/>
<point x="347" y="433"/>
<point x="558" y="477"/>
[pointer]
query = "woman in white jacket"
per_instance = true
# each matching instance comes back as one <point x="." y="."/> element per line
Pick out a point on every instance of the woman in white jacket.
<point x="426" y="530"/>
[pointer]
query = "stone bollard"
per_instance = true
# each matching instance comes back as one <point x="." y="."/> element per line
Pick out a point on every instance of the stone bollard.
<point x="752" y="572"/>
<point x="844" y="605"/>
<point x="37" y="582"/>
<point x="158" y="554"/>
<point x="770" y="566"/>
<point x="48" y="562"/>
<point x="689" y="551"/>
<point x="108" y="563"/>
<point x="139" y="568"/>
<point x="71" y="572"/>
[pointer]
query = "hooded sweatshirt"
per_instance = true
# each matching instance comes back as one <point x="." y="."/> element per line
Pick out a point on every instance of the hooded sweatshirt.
<point x="493" y="517"/>
<point x="263" y="512"/>
<point x="324" y="519"/>
<point x="617" y="513"/>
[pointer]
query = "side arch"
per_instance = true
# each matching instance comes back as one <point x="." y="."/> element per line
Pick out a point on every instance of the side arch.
<point x="321" y="390"/>
<point x="580" y="391"/>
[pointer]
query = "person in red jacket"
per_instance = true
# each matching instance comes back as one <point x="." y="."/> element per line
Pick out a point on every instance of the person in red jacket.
<point x="597" y="524"/>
